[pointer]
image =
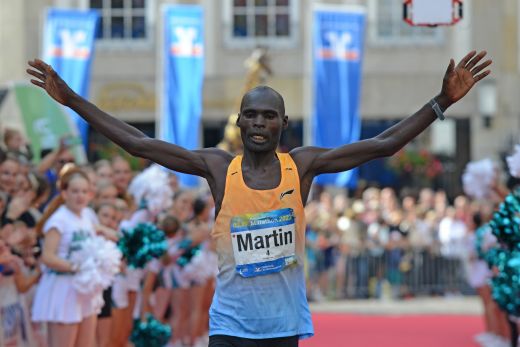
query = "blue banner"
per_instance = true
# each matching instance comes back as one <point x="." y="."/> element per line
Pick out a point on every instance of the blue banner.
<point x="68" y="46"/>
<point x="337" y="56"/>
<point x="183" y="76"/>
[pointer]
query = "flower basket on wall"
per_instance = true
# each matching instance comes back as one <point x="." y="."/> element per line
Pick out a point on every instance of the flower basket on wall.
<point x="415" y="168"/>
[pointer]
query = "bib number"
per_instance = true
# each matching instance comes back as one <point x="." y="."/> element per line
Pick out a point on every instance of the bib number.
<point x="263" y="243"/>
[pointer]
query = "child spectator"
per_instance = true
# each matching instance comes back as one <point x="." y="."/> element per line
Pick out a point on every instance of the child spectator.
<point x="71" y="316"/>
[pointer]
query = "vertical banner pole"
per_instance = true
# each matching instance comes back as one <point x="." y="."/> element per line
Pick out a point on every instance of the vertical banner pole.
<point x="183" y="76"/>
<point x="337" y="55"/>
<point x="68" y="46"/>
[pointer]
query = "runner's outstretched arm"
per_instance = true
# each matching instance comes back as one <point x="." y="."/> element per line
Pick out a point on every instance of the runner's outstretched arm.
<point x="126" y="136"/>
<point x="458" y="81"/>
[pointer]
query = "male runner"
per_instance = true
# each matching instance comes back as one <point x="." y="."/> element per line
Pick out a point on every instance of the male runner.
<point x="259" y="198"/>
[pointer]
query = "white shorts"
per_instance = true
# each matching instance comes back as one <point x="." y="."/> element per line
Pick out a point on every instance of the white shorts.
<point x="478" y="274"/>
<point x="133" y="279"/>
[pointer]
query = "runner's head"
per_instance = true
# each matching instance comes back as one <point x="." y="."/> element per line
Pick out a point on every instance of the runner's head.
<point x="262" y="119"/>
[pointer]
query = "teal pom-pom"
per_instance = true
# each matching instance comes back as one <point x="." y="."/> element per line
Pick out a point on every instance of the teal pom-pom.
<point x="488" y="255"/>
<point x="142" y="244"/>
<point x="505" y="223"/>
<point x="189" y="251"/>
<point x="150" y="333"/>
<point x="505" y="286"/>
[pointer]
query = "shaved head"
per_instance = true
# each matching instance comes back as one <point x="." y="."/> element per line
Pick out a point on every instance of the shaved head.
<point x="262" y="91"/>
<point x="262" y="119"/>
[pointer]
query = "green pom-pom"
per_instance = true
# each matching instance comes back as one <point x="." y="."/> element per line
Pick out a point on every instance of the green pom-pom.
<point x="505" y="225"/>
<point x="189" y="252"/>
<point x="506" y="285"/>
<point x="150" y="333"/>
<point x="142" y="244"/>
<point x="506" y="221"/>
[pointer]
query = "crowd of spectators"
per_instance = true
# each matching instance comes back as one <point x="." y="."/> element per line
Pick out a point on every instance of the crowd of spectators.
<point x="379" y="244"/>
<point x="27" y="188"/>
<point x="373" y="244"/>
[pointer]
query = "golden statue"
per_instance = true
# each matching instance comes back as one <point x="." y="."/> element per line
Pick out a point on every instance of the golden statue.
<point x="258" y="69"/>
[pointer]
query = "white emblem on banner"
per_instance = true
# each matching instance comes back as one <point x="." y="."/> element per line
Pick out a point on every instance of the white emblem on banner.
<point x="186" y="45"/>
<point x="339" y="44"/>
<point x="72" y="41"/>
<point x="72" y="46"/>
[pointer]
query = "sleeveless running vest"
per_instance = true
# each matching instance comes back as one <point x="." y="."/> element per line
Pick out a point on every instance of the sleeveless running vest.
<point x="260" y="240"/>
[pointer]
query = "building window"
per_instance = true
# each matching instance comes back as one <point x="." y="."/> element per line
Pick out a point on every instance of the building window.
<point x="121" y="19"/>
<point x="264" y="22"/>
<point x="389" y="27"/>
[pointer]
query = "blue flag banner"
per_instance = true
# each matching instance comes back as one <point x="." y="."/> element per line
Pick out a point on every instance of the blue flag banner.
<point x="68" y="46"/>
<point x="183" y="76"/>
<point x="337" y="56"/>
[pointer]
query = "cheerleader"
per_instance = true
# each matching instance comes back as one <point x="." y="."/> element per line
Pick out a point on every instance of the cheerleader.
<point x="209" y="259"/>
<point x="496" y="332"/>
<point x="157" y="283"/>
<point x="106" y="214"/>
<point x="151" y="193"/>
<point x="196" y="264"/>
<point x="71" y="316"/>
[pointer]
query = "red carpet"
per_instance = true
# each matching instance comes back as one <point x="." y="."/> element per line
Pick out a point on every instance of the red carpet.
<point x="338" y="330"/>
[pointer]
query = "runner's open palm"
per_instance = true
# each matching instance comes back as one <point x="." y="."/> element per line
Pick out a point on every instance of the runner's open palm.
<point x="459" y="79"/>
<point x="46" y="78"/>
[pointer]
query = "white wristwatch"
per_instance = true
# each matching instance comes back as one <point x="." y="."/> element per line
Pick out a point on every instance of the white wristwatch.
<point x="437" y="109"/>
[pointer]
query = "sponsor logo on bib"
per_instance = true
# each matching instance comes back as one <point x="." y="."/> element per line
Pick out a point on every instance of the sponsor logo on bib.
<point x="263" y="243"/>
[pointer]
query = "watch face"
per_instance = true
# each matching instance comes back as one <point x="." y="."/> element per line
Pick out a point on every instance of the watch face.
<point x="437" y="109"/>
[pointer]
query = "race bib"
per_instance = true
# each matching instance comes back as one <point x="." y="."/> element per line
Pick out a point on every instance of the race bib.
<point x="263" y="243"/>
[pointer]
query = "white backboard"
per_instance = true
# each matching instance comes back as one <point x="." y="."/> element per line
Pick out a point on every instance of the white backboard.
<point x="432" y="12"/>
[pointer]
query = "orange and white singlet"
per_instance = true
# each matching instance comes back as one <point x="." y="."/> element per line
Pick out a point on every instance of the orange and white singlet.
<point x="260" y="240"/>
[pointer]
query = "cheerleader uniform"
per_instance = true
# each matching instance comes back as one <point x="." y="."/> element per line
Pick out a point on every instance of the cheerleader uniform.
<point x="202" y="266"/>
<point x="130" y="281"/>
<point x="56" y="300"/>
<point x="166" y="275"/>
<point x="477" y="271"/>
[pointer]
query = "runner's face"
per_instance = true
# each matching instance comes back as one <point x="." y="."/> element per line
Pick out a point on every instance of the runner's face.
<point x="261" y="121"/>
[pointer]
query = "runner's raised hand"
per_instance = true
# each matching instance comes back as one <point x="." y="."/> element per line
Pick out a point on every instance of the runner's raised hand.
<point x="49" y="80"/>
<point x="458" y="80"/>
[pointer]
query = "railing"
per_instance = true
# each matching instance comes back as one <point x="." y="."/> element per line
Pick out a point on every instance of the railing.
<point x="399" y="274"/>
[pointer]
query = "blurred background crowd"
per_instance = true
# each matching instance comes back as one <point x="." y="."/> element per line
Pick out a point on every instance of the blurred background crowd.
<point x="26" y="191"/>
<point x="370" y="242"/>
<point x="359" y="240"/>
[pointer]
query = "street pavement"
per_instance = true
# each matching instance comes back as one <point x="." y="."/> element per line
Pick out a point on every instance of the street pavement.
<point x="457" y="305"/>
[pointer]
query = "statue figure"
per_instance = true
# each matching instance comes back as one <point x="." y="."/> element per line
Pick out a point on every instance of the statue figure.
<point x="258" y="69"/>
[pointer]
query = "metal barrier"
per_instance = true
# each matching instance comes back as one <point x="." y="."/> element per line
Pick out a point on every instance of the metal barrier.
<point x="397" y="273"/>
